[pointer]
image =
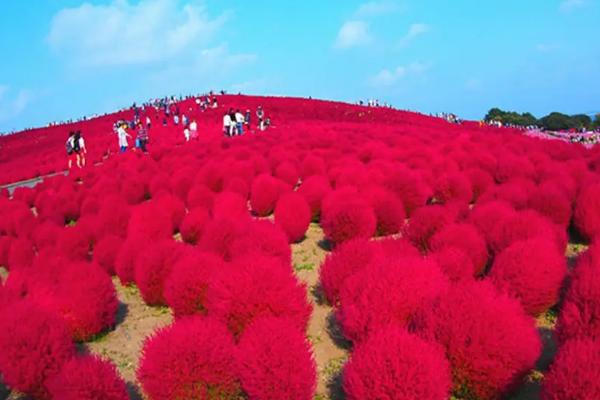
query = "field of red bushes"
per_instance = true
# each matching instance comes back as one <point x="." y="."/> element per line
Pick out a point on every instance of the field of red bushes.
<point x="449" y="259"/>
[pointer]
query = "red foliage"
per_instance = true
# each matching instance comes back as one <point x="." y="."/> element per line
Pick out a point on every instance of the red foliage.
<point x="480" y="180"/>
<point x="580" y="310"/>
<point x="219" y="235"/>
<point x="293" y="215"/>
<point x="105" y="252"/>
<point x="466" y="238"/>
<point x="35" y="343"/>
<point x="88" y="378"/>
<point x="151" y="222"/>
<point x="193" y="224"/>
<point x="533" y="271"/>
<point x="200" y="196"/>
<point x="426" y="222"/>
<point x="173" y="206"/>
<point x="288" y="173"/>
<point x="230" y="205"/>
<point x="455" y="263"/>
<point x="264" y="193"/>
<point x="125" y="261"/>
<point x="575" y="373"/>
<point x="276" y="362"/>
<point x="395" y="365"/>
<point x="263" y="237"/>
<point x="186" y="286"/>
<point x="259" y="290"/>
<point x="75" y="243"/>
<point x="312" y="165"/>
<point x="550" y="202"/>
<point x="390" y="291"/>
<point x="345" y="260"/>
<point x="389" y="210"/>
<point x="453" y="186"/>
<point x="489" y="340"/>
<point x="153" y="266"/>
<point x="410" y="187"/>
<point x="346" y="216"/>
<point x="489" y="215"/>
<point x="314" y="189"/>
<point x="21" y="254"/>
<point x="587" y="211"/>
<point x="192" y="359"/>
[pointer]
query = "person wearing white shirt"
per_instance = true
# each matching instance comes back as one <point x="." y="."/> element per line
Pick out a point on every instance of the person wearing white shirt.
<point x="227" y="122"/>
<point x="239" y="122"/>
<point x="194" y="129"/>
<point x="123" y="135"/>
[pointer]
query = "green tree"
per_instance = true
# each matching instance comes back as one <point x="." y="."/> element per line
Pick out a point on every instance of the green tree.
<point x="556" y="122"/>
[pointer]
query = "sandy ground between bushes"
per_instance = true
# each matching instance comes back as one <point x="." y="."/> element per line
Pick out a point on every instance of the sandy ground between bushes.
<point x="136" y="321"/>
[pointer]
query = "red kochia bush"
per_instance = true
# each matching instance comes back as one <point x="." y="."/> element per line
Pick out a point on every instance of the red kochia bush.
<point x="275" y="361"/>
<point x="193" y="224"/>
<point x="264" y="193"/>
<point x="464" y="237"/>
<point x="347" y="216"/>
<point x="487" y="216"/>
<point x="264" y="237"/>
<point x="390" y="291"/>
<point x="426" y="222"/>
<point x="288" y="173"/>
<point x="88" y="378"/>
<point x="395" y="365"/>
<point x="312" y="165"/>
<point x="575" y="373"/>
<point x="489" y="340"/>
<point x="453" y="186"/>
<point x="314" y="189"/>
<point x="345" y="260"/>
<point x="153" y="266"/>
<point x="587" y="211"/>
<point x="264" y="289"/>
<point x="293" y="215"/>
<point x="192" y="359"/>
<point x="388" y="208"/>
<point x="230" y="205"/>
<point x="532" y="271"/>
<point x="186" y="286"/>
<point x="455" y="263"/>
<point x="409" y="186"/>
<point x="550" y="202"/>
<point x="105" y="252"/>
<point x="35" y="343"/>
<point x="151" y="222"/>
<point x="580" y="311"/>
<point x="219" y="234"/>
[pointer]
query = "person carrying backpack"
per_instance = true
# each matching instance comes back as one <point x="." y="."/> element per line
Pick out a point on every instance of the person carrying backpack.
<point x="72" y="155"/>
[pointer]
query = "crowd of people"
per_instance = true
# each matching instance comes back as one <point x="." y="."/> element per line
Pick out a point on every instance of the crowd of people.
<point x="235" y="122"/>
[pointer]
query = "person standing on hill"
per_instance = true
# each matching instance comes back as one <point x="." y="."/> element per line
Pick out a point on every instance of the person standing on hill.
<point x="80" y="149"/>
<point x="123" y="135"/>
<point x="194" y="129"/>
<point x="247" y="122"/>
<point x="260" y="114"/>
<point x="142" y="137"/>
<point x="227" y="122"/>
<point x="70" y="147"/>
<point x="239" y="122"/>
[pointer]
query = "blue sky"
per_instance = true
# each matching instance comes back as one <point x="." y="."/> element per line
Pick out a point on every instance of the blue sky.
<point x="66" y="58"/>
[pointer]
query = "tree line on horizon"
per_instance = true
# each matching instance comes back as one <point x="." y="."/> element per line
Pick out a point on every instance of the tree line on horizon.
<point x="555" y="121"/>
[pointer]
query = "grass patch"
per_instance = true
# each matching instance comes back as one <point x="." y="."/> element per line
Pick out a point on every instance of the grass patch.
<point x="334" y="367"/>
<point x="304" y="267"/>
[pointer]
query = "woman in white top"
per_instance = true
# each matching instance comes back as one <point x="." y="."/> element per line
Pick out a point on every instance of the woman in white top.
<point x="123" y="135"/>
<point x="227" y="122"/>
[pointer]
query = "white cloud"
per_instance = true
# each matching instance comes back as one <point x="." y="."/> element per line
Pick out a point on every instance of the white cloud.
<point x="568" y="5"/>
<point x="11" y="107"/>
<point x="386" y="77"/>
<point x="414" y="31"/>
<point x="124" y="33"/>
<point x="352" y="34"/>
<point x="377" y="8"/>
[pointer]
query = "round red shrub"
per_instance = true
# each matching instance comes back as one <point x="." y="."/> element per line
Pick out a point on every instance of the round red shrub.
<point x="151" y="222"/>
<point x="312" y="165"/>
<point x="200" y="196"/>
<point x="580" y="309"/>
<point x="105" y="252"/>
<point x="455" y="263"/>
<point x="426" y="222"/>
<point x="466" y="238"/>
<point x="409" y="186"/>
<point x="88" y="378"/>
<point x="237" y="185"/>
<point x="264" y="193"/>
<point x="314" y="189"/>
<point x="390" y="291"/>
<point x="587" y="211"/>
<point x="125" y="260"/>
<point x="532" y="271"/>
<point x="345" y="260"/>
<point x="481" y="181"/>
<point x="453" y="186"/>
<point x="550" y="202"/>
<point x="186" y="286"/>
<point x="389" y="210"/>
<point x="230" y="205"/>
<point x="575" y="372"/>
<point x="193" y="224"/>
<point x="472" y="322"/>
<point x="219" y="235"/>
<point x="75" y="243"/>
<point x="487" y="216"/>
<point x="21" y="254"/>
<point x="113" y="216"/>
<point x="393" y="364"/>
<point x="293" y="215"/>
<point x="263" y="237"/>
<point x="173" y="206"/>
<point x="194" y="358"/>
<point x="346" y="216"/>
<point x="35" y="344"/>
<point x="276" y="362"/>
<point x="288" y="173"/>
<point x="264" y="289"/>
<point x="153" y="266"/>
